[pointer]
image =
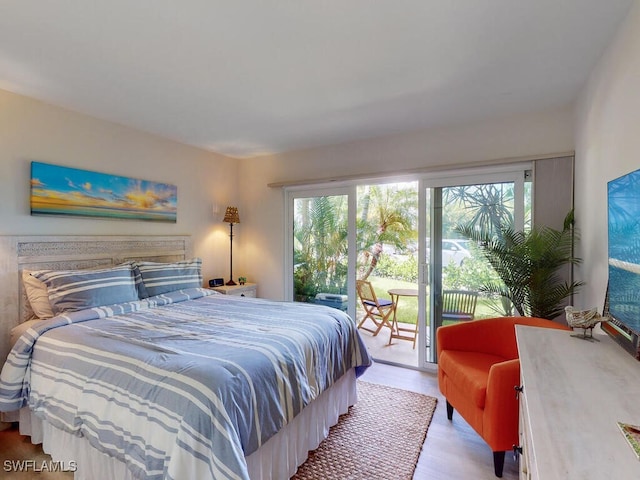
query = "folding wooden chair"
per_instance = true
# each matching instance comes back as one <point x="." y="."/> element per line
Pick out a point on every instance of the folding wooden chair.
<point x="459" y="305"/>
<point x="377" y="310"/>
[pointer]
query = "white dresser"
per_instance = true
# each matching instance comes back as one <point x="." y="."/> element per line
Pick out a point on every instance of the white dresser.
<point x="575" y="392"/>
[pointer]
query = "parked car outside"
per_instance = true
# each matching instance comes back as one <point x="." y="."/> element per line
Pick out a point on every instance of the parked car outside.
<point x="455" y="250"/>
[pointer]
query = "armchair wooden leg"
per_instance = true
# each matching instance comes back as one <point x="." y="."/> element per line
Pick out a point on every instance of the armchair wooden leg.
<point x="498" y="463"/>
<point x="449" y="410"/>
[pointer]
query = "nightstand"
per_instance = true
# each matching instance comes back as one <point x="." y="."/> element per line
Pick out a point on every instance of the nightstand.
<point x="246" y="290"/>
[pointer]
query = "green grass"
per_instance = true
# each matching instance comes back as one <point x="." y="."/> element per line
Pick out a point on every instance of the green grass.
<point x="407" y="311"/>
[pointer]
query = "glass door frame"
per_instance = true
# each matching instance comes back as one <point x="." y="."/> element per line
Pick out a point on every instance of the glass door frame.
<point x="293" y="193"/>
<point x="429" y="276"/>
<point x="459" y="177"/>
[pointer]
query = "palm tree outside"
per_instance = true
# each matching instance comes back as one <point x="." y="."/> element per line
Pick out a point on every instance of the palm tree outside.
<point x="387" y="240"/>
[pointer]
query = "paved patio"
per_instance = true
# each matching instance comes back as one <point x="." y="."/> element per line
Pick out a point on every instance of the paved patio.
<point x="400" y="352"/>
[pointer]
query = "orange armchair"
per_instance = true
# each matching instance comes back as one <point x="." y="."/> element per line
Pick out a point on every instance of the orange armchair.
<point x="478" y="368"/>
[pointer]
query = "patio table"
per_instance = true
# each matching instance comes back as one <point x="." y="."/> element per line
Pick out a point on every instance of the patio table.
<point x="402" y="333"/>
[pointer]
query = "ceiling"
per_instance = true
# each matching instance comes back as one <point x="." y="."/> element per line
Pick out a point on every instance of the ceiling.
<point x="246" y="78"/>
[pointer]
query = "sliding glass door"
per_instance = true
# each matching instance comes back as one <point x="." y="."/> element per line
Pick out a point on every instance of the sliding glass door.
<point x="387" y="247"/>
<point x="402" y="238"/>
<point x="366" y="232"/>
<point x="319" y="242"/>
<point x="455" y="271"/>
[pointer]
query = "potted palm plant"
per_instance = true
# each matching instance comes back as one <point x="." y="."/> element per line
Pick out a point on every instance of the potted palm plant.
<point x="529" y="265"/>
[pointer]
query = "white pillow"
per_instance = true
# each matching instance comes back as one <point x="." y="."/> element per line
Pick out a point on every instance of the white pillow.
<point x="18" y="330"/>
<point x="37" y="294"/>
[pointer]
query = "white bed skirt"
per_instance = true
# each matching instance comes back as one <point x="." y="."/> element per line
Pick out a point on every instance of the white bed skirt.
<point x="277" y="459"/>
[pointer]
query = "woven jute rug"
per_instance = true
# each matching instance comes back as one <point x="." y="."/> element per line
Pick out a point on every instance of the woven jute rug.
<point x="380" y="438"/>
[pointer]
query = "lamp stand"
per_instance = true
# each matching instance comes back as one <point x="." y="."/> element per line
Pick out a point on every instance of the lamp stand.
<point x="231" y="282"/>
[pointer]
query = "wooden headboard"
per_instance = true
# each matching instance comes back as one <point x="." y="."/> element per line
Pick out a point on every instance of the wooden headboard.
<point x="71" y="252"/>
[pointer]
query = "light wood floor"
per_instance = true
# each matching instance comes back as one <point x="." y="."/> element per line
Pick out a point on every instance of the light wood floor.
<point x="451" y="451"/>
<point x="15" y="448"/>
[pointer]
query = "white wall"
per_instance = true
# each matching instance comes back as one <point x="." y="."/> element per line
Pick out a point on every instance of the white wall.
<point x="263" y="207"/>
<point x="607" y="146"/>
<point x="32" y="130"/>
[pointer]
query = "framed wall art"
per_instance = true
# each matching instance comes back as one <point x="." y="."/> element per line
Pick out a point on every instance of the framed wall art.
<point x="57" y="190"/>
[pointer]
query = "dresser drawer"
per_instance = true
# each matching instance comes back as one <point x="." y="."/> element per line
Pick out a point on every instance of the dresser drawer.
<point x="524" y="438"/>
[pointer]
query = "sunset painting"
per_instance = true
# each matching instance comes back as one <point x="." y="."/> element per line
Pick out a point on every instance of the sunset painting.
<point x="57" y="190"/>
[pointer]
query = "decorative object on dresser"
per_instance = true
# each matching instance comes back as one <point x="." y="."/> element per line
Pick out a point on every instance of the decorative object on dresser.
<point x="245" y="290"/>
<point x="478" y="368"/>
<point x="231" y="216"/>
<point x="584" y="319"/>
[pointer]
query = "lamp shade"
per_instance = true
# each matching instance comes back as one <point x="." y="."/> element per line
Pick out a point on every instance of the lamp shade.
<point x="231" y="215"/>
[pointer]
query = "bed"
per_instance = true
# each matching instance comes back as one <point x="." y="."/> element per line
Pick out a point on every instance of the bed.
<point x="172" y="380"/>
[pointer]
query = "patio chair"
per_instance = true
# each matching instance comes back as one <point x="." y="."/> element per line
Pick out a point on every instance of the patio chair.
<point x="459" y="305"/>
<point x="377" y="310"/>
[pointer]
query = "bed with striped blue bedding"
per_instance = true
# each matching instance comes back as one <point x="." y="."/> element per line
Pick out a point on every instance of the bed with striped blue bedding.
<point x="184" y="384"/>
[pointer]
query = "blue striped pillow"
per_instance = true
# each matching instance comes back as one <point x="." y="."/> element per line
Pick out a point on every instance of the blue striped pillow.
<point x="73" y="290"/>
<point x="159" y="278"/>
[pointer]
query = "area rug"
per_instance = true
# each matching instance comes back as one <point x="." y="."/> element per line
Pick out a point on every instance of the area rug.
<point x="380" y="438"/>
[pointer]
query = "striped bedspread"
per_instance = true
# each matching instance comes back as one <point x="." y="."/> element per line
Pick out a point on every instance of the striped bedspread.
<point x="182" y="385"/>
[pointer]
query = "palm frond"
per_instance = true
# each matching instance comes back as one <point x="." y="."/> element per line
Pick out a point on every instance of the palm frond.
<point x="528" y="264"/>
